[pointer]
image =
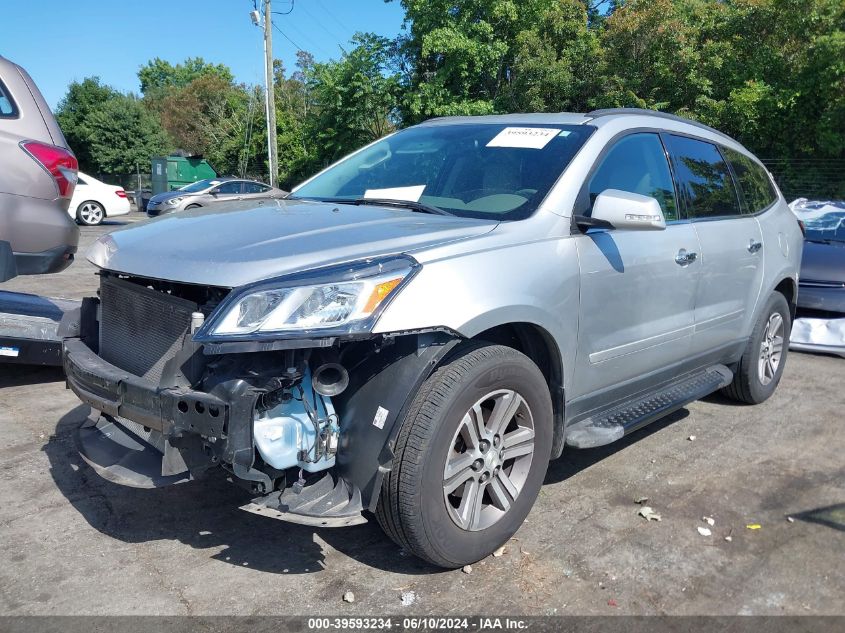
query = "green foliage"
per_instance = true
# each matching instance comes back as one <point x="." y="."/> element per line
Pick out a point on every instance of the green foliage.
<point x="123" y="133"/>
<point x="354" y="99"/>
<point x="74" y="111"/>
<point x="769" y="72"/>
<point x="159" y="74"/>
<point x="108" y="131"/>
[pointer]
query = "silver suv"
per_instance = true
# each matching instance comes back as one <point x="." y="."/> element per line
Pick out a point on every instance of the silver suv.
<point x="37" y="175"/>
<point x="420" y="327"/>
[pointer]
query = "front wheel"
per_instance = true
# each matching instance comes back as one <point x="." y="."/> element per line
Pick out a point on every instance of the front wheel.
<point x="764" y="358"/>
<point x="470" y="457"/>
<point x="90" y="213"/>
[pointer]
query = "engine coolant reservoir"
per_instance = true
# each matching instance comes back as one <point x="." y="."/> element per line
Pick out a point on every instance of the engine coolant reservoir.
<point x="284" y="432"/>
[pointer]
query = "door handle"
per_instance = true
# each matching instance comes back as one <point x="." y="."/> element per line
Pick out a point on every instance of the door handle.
<point x="685" y="258"/>
<point x="754" y="246"/>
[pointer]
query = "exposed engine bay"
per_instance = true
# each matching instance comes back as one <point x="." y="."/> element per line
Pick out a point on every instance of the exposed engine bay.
<point x="303" y="423"/>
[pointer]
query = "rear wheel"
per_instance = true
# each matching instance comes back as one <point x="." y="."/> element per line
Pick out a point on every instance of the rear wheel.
<point x="90" y="213"/>
<point x="470" y="457"/>
<point x="764" y="358"/>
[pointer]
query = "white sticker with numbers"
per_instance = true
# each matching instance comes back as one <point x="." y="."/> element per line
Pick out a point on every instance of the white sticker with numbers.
<point x="381" y="416"/>
<point x="530" y="137"/>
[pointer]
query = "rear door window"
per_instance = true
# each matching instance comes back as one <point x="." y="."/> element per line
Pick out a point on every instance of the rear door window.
<point x="754" y="183"/>
<point x="8" y="109"/>
<point x="637" y="164"/>
<point x="704" y="180"/>
<point x="230" y="187"/>
<point x="255" y="187"/>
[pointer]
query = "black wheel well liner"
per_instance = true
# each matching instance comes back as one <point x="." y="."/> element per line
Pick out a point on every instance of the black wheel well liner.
<point x="389" y="380"/>
<point x="536" y="343"/>
<point x="788" y="289"/>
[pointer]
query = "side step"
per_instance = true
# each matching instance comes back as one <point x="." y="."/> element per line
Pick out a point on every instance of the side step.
<point x="608" y="426"/>
<point x="326" y="500"/>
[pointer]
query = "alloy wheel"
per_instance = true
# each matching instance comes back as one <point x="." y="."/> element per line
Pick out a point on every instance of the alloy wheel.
<point x="91" y="213"/>
<point x="771" y="349"/>
<point x="489" y="460"/>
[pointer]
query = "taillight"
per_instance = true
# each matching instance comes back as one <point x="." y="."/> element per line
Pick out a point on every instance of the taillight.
<point x="802" y="227"/>
<point x="59" y="162"/>
<point x="120" y="193"/>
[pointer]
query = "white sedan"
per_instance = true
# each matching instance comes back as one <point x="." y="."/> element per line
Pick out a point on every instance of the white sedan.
<point x="93" y="201"/>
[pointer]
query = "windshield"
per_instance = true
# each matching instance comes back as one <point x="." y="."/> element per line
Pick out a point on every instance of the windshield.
<point x="823" y="221"/>
<point x="200" y="185"/>
<point x="469" y="170"/>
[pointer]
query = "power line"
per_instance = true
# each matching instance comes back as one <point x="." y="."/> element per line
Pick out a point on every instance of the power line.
<point x="285" y="12"/>
<point x="320" y="23"/>
<point x="284" y="35"/>
<point x="330" y="14"/>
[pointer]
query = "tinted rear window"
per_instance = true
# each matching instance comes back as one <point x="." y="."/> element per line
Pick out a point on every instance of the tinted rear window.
<point x="254" y="187"/>
<point x="704" y="180"/>
<point x="754" y="182"/>
<point x="7" y="106"/>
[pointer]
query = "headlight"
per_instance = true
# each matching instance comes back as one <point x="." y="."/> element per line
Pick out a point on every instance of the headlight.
<point x="176" y="200"/>
<point x="338" y="300"/>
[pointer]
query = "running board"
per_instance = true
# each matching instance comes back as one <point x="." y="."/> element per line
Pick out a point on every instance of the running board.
<point x="325" y="500"/>
<point x="612" y="424"/>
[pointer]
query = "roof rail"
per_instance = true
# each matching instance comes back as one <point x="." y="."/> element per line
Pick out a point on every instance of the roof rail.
<point x="655" y="113"/>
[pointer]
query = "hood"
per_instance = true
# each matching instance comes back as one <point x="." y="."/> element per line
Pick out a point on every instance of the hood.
<point x="823" y="262"/>
<point x="231" y="248"/>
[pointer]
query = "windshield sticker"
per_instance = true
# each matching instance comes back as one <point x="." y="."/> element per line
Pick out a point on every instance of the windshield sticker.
<point x="528" y="137"/>
<point x="409" y="194"/>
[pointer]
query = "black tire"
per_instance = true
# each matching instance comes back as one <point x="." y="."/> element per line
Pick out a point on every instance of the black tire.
<point x="412" y="509"/>
<point x="747" y="385"/>
<point x="193" y="206"/>
<point x="84" y="215"/>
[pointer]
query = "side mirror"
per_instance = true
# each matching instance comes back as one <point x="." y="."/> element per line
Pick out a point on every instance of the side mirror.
<point x="623" y="210"/>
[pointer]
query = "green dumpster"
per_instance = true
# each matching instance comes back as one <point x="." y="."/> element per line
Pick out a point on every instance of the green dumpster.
<point x="173" y="172"/>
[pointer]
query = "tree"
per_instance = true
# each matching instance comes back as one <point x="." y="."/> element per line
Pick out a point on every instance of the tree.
<point x="294" y="110"/>
<point x="461" y="54"/>
<point x="74" y="111"/>
<point x="123" y="133"/>
<point x="158" y="74"/>
<point x="356" y="99"/>
<point x="556" y="63"/>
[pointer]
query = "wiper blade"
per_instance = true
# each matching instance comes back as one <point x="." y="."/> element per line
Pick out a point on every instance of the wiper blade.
<point x="402" y="204"/>
<point x="380" y="202"/>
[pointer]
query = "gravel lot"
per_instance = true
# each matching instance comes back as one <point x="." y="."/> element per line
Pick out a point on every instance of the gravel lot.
<point x="72" y="543"/>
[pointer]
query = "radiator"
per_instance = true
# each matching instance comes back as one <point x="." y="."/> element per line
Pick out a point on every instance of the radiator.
<point x="141" y="329"/>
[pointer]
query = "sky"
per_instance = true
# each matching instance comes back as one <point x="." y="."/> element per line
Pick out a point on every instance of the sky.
<point x="58" y="41"/>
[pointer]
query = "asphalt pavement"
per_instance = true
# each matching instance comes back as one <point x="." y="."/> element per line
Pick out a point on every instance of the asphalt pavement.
<point x="770" y="477"/>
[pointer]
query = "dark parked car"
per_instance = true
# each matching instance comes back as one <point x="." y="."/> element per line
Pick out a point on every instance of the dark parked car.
<point x="822" y="282"/>
<point x="38" y="173"/>
<point x="211" y="191"/>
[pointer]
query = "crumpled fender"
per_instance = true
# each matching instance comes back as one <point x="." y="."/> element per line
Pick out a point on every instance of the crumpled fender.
<point x="372" y="407"/>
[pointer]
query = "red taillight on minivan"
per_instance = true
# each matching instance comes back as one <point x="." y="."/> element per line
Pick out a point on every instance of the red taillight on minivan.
<point x="120" y="193"/>
<point x="59" y="162"/>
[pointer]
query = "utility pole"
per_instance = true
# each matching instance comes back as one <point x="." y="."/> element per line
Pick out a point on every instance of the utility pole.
<point x="269" y="94"/>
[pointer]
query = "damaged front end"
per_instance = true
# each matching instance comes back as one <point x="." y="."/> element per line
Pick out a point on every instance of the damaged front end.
<point x="281" y="384"/>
